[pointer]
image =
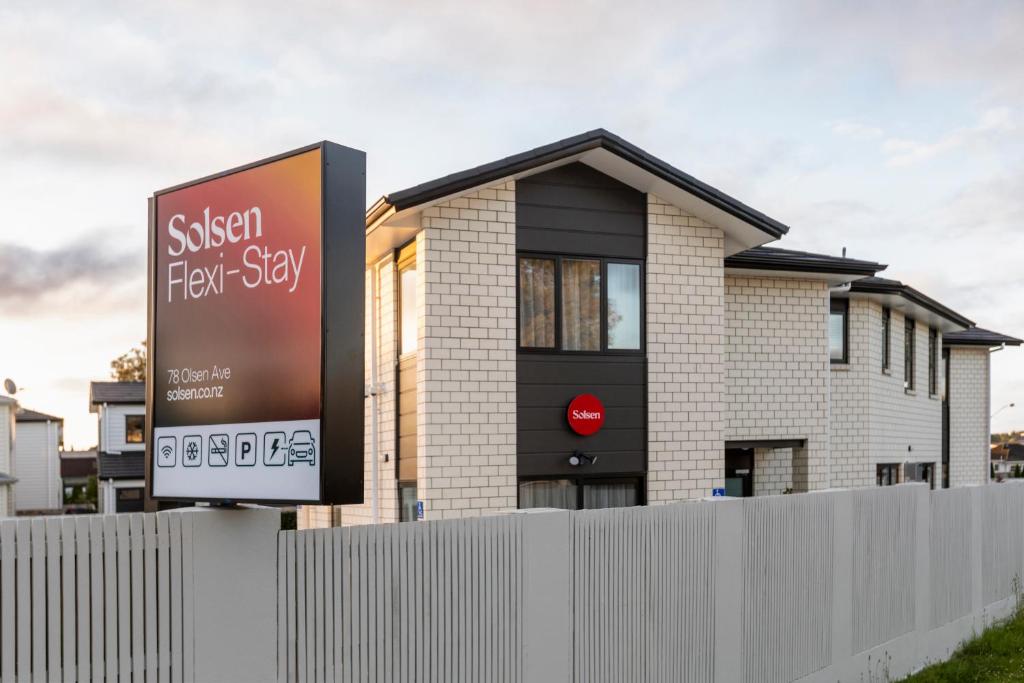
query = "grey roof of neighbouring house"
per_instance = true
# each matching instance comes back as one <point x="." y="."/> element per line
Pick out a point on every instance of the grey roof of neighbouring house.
<point x="122" y="465"/>
<point x="26" y="415"/>
<point x="978" y="336"/>
<point x="773" y="258"/>
<point x="117" y="392"/>
<point x="881" y="285"/>
<point x="569" y="147"/>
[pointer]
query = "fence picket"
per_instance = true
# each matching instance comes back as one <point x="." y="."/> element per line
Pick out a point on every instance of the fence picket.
<point x="82" y="588"/>
<point x="38" y="549"/>
<point x="68" y="602"/>
<point x="53" y="625"/>
<point x="97" y="600"/>
<point x="152" y="608"/>
<point x="136" y="545"/>
<point x="163" y="597"/>
<point x="110" y="596"/>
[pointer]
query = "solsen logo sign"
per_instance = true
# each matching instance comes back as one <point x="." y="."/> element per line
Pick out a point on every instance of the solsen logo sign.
<point x="256" y="332"/>
<point x="585" y="414"/>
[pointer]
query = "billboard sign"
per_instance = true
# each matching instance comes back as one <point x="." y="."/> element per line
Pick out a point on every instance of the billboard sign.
<point x="255" y="382"/>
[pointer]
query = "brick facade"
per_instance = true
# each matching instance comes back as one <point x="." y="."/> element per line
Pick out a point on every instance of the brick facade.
<point x="776" y="372"/>
<point x="466" y="388"/>
<point x="969" y="416"/>
<point x="874" y="420"/>
<point x="685" y="363"/>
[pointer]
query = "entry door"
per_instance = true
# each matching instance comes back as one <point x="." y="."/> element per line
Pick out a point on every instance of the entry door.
<point x="739" y="472"/>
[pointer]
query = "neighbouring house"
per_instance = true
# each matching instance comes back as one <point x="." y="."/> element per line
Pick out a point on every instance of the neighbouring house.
<point x="1007" y="460"/>
<point x="76" y="469"/>
<point x="589" y="268"/>
<point x="121" y="418"/>
<point x="37" y="449"/>
<point x="8" y="406"/>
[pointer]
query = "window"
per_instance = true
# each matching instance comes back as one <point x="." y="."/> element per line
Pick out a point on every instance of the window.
<point x="580" y="304"/>
<point x="933" y="362"/>
<point x="407" y="310"/>
<point x="838" y="330"/>
<point x="624" y="306"/>
<point x="886" y="338"/>
<point x="909" y="325"/>
<point x="579" y="494"/>
<point x="537" y="303"/>
<point x="887" y="475"/>
<point x="407" y="505"/>
<point x="134" y="429"/>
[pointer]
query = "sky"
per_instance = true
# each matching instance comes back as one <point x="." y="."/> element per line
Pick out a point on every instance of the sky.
<point x="892" y="129"/>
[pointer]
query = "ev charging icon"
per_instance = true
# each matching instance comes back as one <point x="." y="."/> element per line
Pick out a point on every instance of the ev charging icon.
<point x="275" y="449"/>
<point x="245" y="450"/>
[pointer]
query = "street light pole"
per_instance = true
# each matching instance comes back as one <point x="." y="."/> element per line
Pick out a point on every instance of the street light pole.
<point x="1008" y="405"/>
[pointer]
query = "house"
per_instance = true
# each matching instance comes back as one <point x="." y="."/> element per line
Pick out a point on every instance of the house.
<point x="37" y="448"/>
<point x="8" y="406"/>
<point x="583" y="325"/>
<point x="121" y="418"/>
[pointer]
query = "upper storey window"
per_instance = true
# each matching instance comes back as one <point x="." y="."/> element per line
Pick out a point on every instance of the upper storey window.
<point x="580" y="304"/>
<point x="839" y="331"/>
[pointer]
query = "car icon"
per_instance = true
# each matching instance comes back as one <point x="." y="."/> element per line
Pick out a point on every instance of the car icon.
<point x="302" y="448"/>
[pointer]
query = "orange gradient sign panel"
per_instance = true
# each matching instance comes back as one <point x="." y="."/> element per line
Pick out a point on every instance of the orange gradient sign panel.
<point x="237" y="334"/>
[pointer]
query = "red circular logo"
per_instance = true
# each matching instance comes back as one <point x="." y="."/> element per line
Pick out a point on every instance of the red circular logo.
<point x="585" y="414"/>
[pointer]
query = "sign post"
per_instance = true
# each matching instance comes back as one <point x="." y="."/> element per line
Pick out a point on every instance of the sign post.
<point x="255" y="380"/>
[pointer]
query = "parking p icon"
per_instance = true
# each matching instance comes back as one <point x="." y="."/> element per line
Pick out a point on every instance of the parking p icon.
<point x="245" y="450"/>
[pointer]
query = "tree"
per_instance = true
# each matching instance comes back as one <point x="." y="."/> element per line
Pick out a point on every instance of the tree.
<point x="131" y="366"/>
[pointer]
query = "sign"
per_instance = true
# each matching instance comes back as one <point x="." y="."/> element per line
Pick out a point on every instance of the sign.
<point x="717" y="493"/>
<point x="255" y="385"/>
<point x="585" y="414"/>
<point x="419" y="510"/>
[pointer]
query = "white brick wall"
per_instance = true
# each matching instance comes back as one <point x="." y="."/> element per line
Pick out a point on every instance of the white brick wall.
<point x="969" y="416"/>
<point x="773" y="471"/>
<point x="776" y="365"/>
<point x="685" y="366"/>
<point x="873" y="419"/>
<point x="466" y="385"/>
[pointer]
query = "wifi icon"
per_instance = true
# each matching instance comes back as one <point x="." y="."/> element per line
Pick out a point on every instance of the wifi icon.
<point x="166" y="451"/>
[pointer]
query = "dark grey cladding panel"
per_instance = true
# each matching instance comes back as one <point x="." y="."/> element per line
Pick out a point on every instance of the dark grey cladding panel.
<point x="575" y="209"/>
<point x="546" y="385"/>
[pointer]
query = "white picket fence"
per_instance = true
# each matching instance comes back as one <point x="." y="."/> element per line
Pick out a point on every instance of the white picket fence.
<point x="95" y="599"/>
<point x="834" y="586"/>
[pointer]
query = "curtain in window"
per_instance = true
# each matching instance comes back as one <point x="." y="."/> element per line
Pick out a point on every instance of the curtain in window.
<point x="537" y="303"/>
<point x="616" y="495"/>
<point x="558" y="493"/>
<point x="581" y="305"/>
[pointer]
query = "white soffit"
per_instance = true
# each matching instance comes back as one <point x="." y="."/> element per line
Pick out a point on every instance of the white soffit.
<point x="908" y="308"/>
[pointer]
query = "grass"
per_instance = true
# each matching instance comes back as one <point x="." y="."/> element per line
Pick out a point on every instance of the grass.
<point x="995" y="655"/>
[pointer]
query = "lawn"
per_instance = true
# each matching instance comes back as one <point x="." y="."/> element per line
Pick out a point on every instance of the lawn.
<point x="995" y="655"/>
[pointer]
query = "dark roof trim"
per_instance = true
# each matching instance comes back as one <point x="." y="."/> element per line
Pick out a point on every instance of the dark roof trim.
<point x="772" y="258"/>
<point x="766" y="443"/>
<point x="878" y="285"/>
<point x="26" y="415"/>
<point x="977" y="336"/>
<point x="595" y="139"/>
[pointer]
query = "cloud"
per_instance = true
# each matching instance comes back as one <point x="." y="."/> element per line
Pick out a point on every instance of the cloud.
<point x="89" y="264"/>
<point x="858" y="131"/>
<point x="993" y="125"/>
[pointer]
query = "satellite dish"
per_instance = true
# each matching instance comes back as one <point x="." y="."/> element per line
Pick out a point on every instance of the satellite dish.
<point x="10" y="387"/>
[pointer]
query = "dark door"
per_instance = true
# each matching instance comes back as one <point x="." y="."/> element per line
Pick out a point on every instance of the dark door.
<point x="130" y="500"/>
<point x="739" y="472"/>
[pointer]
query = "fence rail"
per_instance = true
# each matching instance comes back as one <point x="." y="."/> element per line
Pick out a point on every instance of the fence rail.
<point x="838" y="585"/>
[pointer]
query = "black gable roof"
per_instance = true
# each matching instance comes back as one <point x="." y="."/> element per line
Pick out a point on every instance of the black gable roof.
<point x="773" y="258"/>
<point x="881" y="285"/>
<point x="556" y="151"/>
<point x="978" y="336"/>
<point x="117" y="392"/>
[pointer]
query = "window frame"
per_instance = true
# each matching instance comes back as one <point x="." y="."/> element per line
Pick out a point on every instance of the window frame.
<point x="581" y="481"/>
<point x="893" y="470"/>
<point x="844" y="305"/>
<point x="909" y="354"/>
<point x="886" y="339"/>
<point x="604" y="261"/>
<point x="142" y="430"/>
<point x="405" y="261"/>
<point x="933" y="362"/>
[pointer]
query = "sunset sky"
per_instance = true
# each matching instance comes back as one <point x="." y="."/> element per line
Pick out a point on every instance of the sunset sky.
<point x="893" y="129"/>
